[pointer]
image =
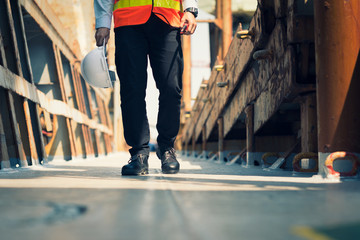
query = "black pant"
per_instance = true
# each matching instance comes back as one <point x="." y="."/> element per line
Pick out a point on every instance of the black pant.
<point x="162" y="44"/>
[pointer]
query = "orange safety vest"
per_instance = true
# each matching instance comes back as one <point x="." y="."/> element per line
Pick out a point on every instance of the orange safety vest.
<point x="135" y="12"/>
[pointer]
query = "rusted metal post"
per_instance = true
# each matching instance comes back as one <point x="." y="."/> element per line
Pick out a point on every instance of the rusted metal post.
<point x="204" y="141"/>
<point x="227" y="32"/>
<point x="218" y="30"/>
<point x="221" y="139"/>
<point x="186" y="44"/>
<point x="308" y="124"/>
<point x="337" y="39"/>
<point x="193" y="145"/>
<point x="250" y="138"/>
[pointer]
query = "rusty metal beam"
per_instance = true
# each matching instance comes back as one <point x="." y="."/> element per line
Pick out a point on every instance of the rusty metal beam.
<point x="204" y="140"/>
<point x="220" y="123"/>
<point x="227" y="31"/>
<point x="250" y="134"/>
<point x="337" y="39"/>
<point x="218" y="31"/>
<point x="193" y="145"/>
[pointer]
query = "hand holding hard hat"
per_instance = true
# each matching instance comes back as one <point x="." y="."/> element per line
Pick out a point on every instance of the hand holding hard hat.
<point x="95" y="70"/>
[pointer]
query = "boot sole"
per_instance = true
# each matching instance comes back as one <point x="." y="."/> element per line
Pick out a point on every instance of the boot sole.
<point x="173" y="171"/>
<point x="144" y="172"/>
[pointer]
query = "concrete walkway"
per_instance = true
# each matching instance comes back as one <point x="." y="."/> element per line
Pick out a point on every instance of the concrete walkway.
<point x="89" y="199"/>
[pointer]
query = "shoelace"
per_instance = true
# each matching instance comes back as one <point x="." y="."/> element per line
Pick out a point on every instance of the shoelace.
<point x="134" y="158"/>
<point x="170" y="153"/>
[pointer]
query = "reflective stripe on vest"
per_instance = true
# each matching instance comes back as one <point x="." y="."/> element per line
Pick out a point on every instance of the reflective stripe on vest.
<point x="135" y="12"/>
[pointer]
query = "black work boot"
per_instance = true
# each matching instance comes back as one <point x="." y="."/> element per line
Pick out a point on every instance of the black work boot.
<point x="137" y="165"/>
<point x="169" y="164"/>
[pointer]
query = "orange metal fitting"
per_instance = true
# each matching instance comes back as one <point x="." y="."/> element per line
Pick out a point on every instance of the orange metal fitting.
<point x="245" y="34"/>
<point x="219" y="67"/>
<point x="341" y="156"/>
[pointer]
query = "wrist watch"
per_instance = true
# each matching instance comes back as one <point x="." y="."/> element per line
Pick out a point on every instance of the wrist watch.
<point x="192" y="10"/>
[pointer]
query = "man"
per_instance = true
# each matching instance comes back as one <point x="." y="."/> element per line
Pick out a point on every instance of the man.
<point x="148" y="29"/>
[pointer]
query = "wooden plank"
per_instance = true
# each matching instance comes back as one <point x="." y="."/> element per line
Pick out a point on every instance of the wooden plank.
<point x="31" y="79"/>
<point x="17" y="84"/>
<point x="13" y="36"/>
<point x="4" y="160"/>
<point x="2" y="51"/>
<point x="101" y="107"/>
<point x="86" y="130"/>
<point x="97" y="147"/>
<point x="26" y="49"/>
<point x="10" y="101"/>
<point x="60" y="77"/>
<point x="20" y="86"/>
<point x="48" y="122"/>
<point x="16" y="131"/>
<point x="108" y="118"/>
<point x="33" y="151"/>
<point x="82" y="93"/>
<point x="110" y="125"/>
<point x="79" y="102"/>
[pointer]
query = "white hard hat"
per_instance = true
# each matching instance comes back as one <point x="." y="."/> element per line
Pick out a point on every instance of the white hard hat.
<point x="95" y="70"/>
